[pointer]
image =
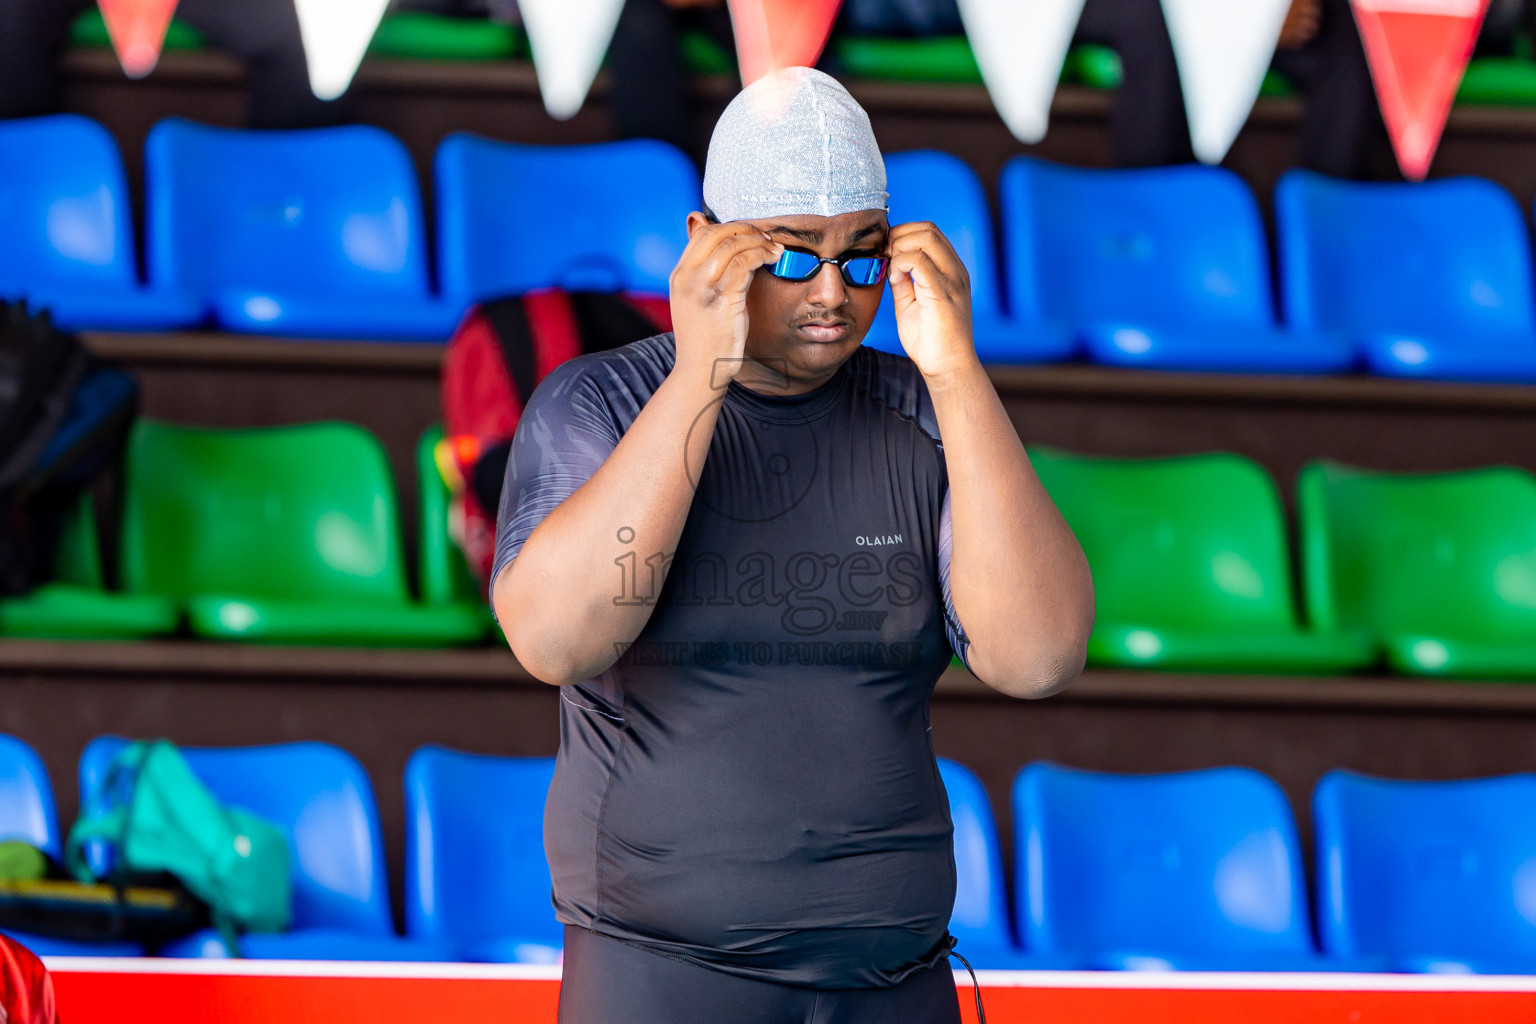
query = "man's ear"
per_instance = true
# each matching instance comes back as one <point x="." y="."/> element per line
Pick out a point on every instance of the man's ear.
<point x="696" y="222"/>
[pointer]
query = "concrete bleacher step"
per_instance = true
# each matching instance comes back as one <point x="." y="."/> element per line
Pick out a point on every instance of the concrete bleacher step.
<point x="216" y="349"/>
<point x="497" y="668"/>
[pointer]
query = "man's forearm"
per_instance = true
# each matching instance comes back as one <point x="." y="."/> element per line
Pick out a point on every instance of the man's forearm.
<point x="586" y="580"/>
<point x="1018" y="578"/>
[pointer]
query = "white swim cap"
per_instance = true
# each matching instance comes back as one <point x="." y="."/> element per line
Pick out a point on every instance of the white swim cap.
<point x="793" y="142"/>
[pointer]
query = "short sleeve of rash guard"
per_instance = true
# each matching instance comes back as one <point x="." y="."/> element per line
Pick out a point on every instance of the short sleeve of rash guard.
<point x="565" y="434"/>
<point x="958" y="641"/>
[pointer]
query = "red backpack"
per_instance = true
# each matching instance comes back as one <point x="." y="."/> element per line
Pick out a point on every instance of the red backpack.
<point x="497" y="356"/>
<point x="26" y="988"/>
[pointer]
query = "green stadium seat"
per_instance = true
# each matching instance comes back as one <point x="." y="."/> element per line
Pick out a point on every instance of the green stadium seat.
<point x="75" y="605"/>
<point x="1440" y="566"/>
<point x="1099" y="67"/>
<point x="949" y="59"/>
<point x="407" y="34"/>
<point x="424" y="36"/>
<point x="929" y="59"/>
<point x="1502" y="81"/>
<point x="90" y="31"/>
<point x="277" y="534"/>
<point x="1276" y="85"/>
<point x="1190" y="564"/>
<point x="1093" y="65"/>
<point x="703" y="56"/>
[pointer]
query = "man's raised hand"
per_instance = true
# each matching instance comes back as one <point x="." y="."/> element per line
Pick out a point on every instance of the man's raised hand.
<point x="709" y="296"/>
<point x="931" y="291"/>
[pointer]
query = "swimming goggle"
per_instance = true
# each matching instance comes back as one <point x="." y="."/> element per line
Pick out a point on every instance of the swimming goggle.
<point x="861" y="268"/>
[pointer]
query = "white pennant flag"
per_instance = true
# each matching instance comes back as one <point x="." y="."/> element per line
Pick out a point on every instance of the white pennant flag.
<point x="1020" y="46"/>
<point x="568" y="39"/>
<point x="336" y="34"/>
<point x="1223" y="48"/>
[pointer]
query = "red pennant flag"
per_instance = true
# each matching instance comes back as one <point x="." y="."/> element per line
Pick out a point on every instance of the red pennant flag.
<point x="137" y="28"/>
<point x="774" y="34"/>
<point x="1418" y="50"/>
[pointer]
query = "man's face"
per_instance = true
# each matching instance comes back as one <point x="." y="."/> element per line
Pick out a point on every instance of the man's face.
<point x="807" y="329"/>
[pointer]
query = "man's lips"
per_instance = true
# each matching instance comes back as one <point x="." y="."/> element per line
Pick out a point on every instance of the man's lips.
<point x="824" y="330"/>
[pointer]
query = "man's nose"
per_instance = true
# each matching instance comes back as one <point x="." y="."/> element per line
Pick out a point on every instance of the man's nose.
<point x="827" y="287"/>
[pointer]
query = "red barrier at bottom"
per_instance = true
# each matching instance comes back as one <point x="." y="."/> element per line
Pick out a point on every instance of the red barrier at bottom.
<point x="205" y="992"/>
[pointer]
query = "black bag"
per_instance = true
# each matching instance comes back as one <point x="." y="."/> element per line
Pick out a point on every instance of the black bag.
<point x="64" y="417"/>
<point x="152" y="909"/>
<point x="37" y="897"/>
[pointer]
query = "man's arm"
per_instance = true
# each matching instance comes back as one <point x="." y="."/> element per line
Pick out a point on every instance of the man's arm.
<point x="562" y="601"/>
<point x="1018" y="579"/>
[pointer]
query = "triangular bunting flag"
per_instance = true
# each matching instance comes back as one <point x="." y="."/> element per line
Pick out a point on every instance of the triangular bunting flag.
<point x="1418" y="50"/>
<point x="137" y="28"/>
<point x="1223" y="49"/>
<point x="1020" y="46"/>
<point x="775" y="34"/>
<point x="568" y="39"/>
<point x="336" y="34"/>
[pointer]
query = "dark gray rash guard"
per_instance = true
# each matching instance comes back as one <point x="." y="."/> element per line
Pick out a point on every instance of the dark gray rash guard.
<point x="752" y="785"/>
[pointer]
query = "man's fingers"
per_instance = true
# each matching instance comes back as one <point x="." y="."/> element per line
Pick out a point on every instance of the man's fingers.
<point x="721" y="258"/>
<point x="731" y="266"/>
<point x="703" y="244"/>
<point x="917" y="229"/>
<point x="919" y="235"/>
<point x="920" y="268"/>
<point x="736" y="276"/>
<point x="729" y="235"/>
<point x="902" y="289"/>
<point x="925" y="237"/>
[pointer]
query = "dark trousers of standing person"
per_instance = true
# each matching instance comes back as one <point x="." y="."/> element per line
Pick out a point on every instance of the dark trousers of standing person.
<point x="264" y="33"/>
<point x="1342" y="123"/>
<point x="608" y="981"/>
<point x="1149" y="127"/>
<point x="649" y="81"/>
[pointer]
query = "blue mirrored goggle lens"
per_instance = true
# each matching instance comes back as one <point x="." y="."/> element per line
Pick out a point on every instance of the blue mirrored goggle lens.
<point x="796" y="266"/>
<point x="865" y="270"/>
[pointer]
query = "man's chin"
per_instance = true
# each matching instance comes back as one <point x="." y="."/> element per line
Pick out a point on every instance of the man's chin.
<point x="805" y="359"/>
<point x="819" y="341"/>
<point x="816" y="355"/>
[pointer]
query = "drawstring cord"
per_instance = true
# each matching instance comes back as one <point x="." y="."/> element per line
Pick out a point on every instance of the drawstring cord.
<point x="981" y="1012"/>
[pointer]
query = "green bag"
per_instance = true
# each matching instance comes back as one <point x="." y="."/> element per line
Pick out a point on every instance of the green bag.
<point x="158" y="816"/>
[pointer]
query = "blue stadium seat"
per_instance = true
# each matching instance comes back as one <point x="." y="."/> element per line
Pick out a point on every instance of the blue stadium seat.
<point x="1431" y="279"/>
<point x="314" y="233"/>
<point x="1183" y="871"/>
<point x="1164" y="268"/>
<point x="1433" y="876"/>
<point x="27" y="814"/>
<point x="512" y="218"/>
<point x="321" y="798"/>
<point x="68" y="232"/>
<point x="26" y="798"/>
<point x="938" y="187"/>
<point x="980" y="919"/>
<point x="475" y="872"/>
